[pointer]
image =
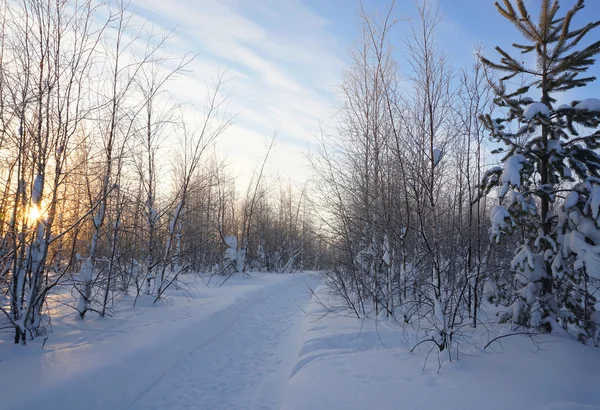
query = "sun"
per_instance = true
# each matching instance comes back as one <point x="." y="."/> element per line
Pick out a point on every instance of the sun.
<point x="34" y="213"/>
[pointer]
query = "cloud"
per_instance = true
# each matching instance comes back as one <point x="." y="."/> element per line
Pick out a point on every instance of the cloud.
<point x="283" y="64"/>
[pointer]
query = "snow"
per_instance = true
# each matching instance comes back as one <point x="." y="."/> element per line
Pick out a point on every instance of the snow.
<point x="534" y="109"/>
<point x="386" y="258"/>
<point x="349" y="363"/>
<point x="512" y="170"/>
<point x="246" y="367"/>
<point x="36" y="192"/>
<point x="231" y="253"/>
<point x="439" y="314"/>
<point x="437" y="156"/>
<point x="571" y="200"/>
<point x="594" y="202"/>
<point x="231" y="241"/>
<point x="588" y="256"/>
<point x="386" y="247"/>
<point x="153" y="216"/>
<point x="176" y="216"/>
<point x="250" y="345"/>
<point x="522" y="129"/>
<point x="499" y="218"/>
<point x="567" y="173"/>
<point x="590" y="104"/>
<point x="585" y="239"/>
<point x="228" y="347"/>
<point x="555" y="146"/>
<point x="503" y="190"/>
<point x="99" y="217"/>
<point x="86" y="274"/>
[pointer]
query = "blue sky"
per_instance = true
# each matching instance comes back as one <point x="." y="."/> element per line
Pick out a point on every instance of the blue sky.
<point x="285" y="59"/>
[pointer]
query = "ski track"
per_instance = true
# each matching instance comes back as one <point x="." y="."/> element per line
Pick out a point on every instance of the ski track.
<point x="246" y="366"/>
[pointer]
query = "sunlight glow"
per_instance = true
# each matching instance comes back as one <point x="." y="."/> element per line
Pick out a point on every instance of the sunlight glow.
<point x="34" y="214"/>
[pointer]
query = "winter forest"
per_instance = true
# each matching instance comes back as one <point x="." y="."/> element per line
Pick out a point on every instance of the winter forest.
<point x="447" y="234"/>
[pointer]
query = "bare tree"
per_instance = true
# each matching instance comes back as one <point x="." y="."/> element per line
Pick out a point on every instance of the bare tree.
<point x="194" y="144"/>
<point x="48" y="58"/>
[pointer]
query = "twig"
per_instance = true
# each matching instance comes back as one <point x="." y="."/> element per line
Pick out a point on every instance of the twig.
<point x="530" y="334"/>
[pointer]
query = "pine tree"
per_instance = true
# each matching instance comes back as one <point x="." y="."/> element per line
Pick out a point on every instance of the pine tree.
<point x="548" y="184"/>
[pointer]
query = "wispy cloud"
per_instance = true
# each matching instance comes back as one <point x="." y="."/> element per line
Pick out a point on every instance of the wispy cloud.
<point x="284" y="65"/>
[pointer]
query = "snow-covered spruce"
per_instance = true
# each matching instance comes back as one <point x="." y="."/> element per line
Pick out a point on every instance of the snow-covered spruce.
<point x="548" y="185"/>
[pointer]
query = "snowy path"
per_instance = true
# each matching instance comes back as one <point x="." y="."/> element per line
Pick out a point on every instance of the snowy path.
<point x="246" y="366"/>
<point x="230" y="347"/>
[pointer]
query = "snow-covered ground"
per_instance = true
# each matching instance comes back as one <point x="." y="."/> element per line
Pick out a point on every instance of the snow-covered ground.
<point x="230" y="347"/>
<point x="345" y="363"/>
<point x="262" y="342"/>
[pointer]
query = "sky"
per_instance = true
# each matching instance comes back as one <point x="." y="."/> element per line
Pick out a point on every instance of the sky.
<point x="285" y="59"/>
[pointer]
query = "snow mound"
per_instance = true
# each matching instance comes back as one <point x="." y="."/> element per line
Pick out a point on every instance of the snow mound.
<point x="534" y="109"/>
<point x="594" y="202"/>
<point x="512" y="170"/>
<point x="349" y="363"/>
<point x="590" y="104"/>
<point x="499" y="218"/>
<point x="571" y="200"/>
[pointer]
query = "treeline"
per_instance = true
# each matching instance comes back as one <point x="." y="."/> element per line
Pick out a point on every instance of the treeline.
<point x="110" y="186"/>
